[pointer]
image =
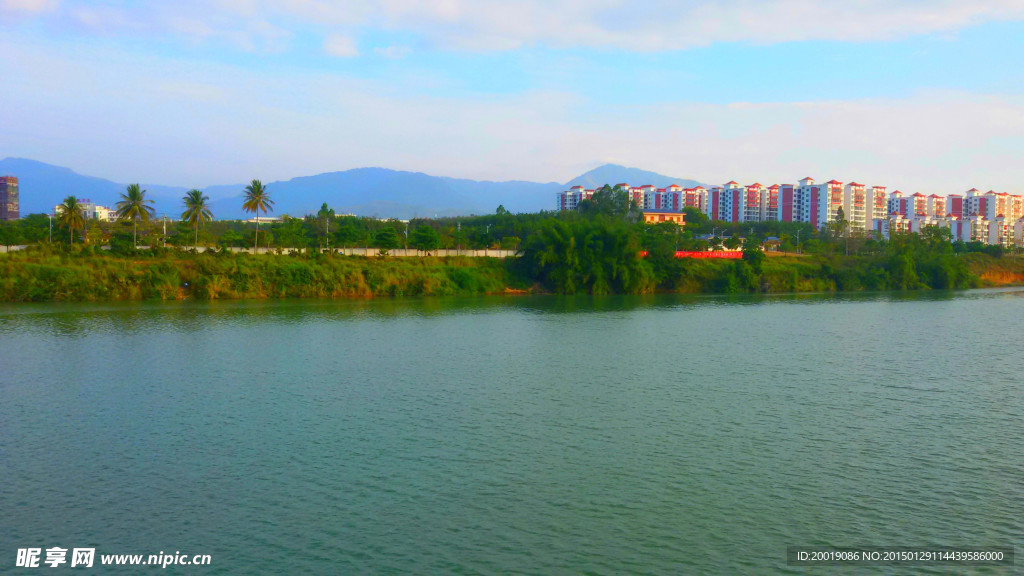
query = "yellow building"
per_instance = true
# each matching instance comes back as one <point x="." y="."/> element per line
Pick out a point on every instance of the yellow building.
<point x="659" y="217"/>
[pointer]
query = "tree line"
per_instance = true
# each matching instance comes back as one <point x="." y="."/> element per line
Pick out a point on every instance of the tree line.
<point x="603" y="247"/>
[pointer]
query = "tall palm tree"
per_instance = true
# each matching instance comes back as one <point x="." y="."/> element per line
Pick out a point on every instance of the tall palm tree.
<point x="69" y="214"/>
<point x="133" y="205"/>
<point x="196" y="210"/>
<point x="257" y="199"/>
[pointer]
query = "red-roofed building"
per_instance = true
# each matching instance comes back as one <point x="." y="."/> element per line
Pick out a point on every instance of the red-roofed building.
<point x="830" y="200"/>
<point x="955" y="205"/>
<point x="893" y="223"/>
<point x="897" y="203"/>
<point x="879" y="203"/>
<point x="856" y="206"/>
<point x="697" y="197"/>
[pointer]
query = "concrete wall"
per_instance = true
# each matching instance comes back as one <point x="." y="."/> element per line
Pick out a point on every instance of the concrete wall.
<point x="372" y="252"/>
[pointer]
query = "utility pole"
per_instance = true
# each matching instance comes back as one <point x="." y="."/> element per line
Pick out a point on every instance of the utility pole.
<point x="50" y="216"/>
<point x="165" y="231"/>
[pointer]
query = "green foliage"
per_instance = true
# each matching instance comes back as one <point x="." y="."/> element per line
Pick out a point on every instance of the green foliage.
<point x="386" y="239"/>
<point x="588" y="256"/>
<point x="49" y="274"/>
<point x="753" y="255"/>
<point x="291" y="233"/>
<point x="425" y="238"/>
<point x="136" y="207"/>
<point x="10" y="234"/>
<point x="694" y="219"/>
<point x="69" y="216"/>
<point x="197" y="210"/>
<point x="609" y="202"/>
<point x="256" y="200"/>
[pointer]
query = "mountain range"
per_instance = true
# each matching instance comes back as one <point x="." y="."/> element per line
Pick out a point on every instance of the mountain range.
<point x="377" y="192"/>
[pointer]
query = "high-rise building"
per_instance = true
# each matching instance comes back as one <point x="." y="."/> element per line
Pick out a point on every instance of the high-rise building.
<point x="9" y="209"/>
<point x="857" y="208"/>
<point x="830" y="200"/>
<point x="806" y="202"/>
<point x="879" y="205"/>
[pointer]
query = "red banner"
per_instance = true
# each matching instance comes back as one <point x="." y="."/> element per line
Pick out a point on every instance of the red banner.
<point x="707" y="254"/>
<point x="710" y="254"/>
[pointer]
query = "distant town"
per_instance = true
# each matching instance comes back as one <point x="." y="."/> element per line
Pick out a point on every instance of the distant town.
<point x="991" y="217"/>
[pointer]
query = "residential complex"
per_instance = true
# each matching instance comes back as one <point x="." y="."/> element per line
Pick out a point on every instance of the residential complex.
<point x="9" y="209"/>
<point x="91" y="211"/>
<point x="990" y="217"/>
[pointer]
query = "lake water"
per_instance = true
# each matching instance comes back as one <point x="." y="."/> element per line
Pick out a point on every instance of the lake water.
<point x="537" y="435"/>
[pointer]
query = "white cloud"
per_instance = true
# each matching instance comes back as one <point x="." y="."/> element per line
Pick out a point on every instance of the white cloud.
<point x="650" y="25"/>
<point x="340" y="46"/>
<point x="28" y="6"/>
<point x="393" y="52"/>
<point x="637" y="25"/>
<point x="196" y="123"/>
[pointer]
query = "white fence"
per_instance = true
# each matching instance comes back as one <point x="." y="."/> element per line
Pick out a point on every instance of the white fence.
<point x="373" y="252"/>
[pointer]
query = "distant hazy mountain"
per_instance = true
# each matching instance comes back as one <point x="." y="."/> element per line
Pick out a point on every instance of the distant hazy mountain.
<point x="392" y="193"/>
<point x="363" y="191"/>
<point x="614" y="174"/>
<point x="41" y="186"/>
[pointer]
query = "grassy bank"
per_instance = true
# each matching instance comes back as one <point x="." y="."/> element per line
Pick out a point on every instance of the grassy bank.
<point x="817" y="273"/>
<point x="84" y="274"/>
<point x="87" y="275"/>
<point x="991" y="271"/>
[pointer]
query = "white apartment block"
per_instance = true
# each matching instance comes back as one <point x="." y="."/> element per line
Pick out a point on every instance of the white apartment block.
<point x="897" y="203"/>
<point x="91" y="211"/>
<point x="803" y="210"/>
<point x="856" y="206"/>
<point x="755" y="202"/>
<point x="919" y="224"/>
<point x="894" y="224"/>
<point x="1018" y="233"/>
<point x="879" y="204"/>
<point x="697" y="197"/>
<point x="969" y="229"/>
<point x="732" y="202"/>
<point x="571" y="199"/>
<point x="831" y="197"/>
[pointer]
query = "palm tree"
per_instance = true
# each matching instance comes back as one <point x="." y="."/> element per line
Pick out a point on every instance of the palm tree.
<point x="70" y="215"/>
<point x="196" y="210"/>
<point x="257" y="199"/>
<point x="133" y="205"/>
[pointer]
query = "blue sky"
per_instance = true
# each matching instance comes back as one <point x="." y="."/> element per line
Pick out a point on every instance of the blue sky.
<point x="916" y="94"/>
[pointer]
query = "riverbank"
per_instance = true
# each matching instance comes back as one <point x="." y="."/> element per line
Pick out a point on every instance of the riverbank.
<point x="90" y="275"/>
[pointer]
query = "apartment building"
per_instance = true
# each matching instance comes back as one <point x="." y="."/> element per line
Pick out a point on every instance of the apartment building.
<point x="991" y="217"/>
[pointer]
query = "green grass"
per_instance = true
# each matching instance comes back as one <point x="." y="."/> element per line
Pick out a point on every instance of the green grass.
<point x="85" y="275"/>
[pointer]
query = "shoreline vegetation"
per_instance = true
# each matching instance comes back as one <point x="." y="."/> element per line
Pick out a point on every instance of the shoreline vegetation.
<point x="83" y="274"/>
<point x="603" y="247"/>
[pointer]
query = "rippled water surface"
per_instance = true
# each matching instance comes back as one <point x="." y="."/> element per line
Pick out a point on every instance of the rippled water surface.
<point x="528" y="435"/>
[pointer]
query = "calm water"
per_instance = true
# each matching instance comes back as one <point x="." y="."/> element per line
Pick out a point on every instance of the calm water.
<point x="528" y="435"/>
